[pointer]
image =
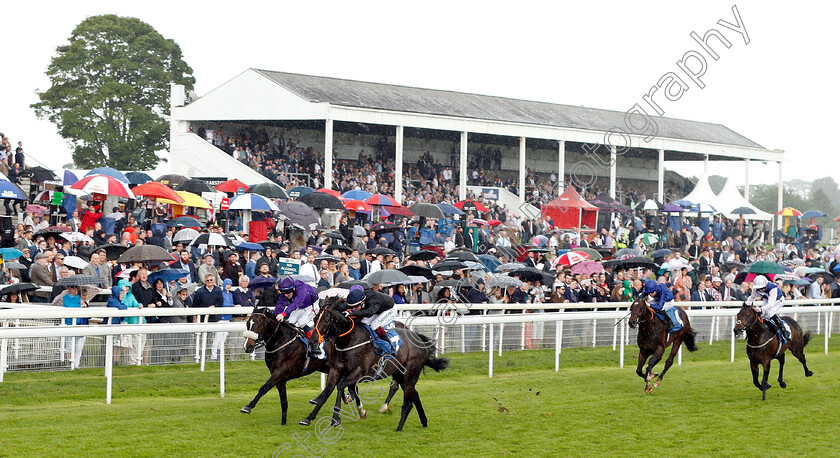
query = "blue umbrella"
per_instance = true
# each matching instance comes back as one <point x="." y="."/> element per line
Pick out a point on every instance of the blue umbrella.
<point x="813" y="214"/>
<point x="357" y="194"/>
<point x="184" y="221"/>
<point x="70" y="178"/>
<point x="167" y="275"/>
<point x="449" y="209"/>
<point x="298" y="191"/>
<point x="262" y="282"/>
<point x="9" y="190"/>
<point x="490" y="261"/>
<point x="113" y="173"/>
<point x="683" y="203"/>
<point x="10" y="253"/>
<point x="250" y="246"/>
<point x="138" y="177"/>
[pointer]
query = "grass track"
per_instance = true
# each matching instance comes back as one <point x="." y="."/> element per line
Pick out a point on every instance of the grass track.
<point x="591" y="407"/>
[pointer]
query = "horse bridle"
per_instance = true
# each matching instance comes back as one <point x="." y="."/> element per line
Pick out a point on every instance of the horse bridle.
<point x="642" y="315"/>
<point x="259" y="341"/>
<point x="318" y="329"/>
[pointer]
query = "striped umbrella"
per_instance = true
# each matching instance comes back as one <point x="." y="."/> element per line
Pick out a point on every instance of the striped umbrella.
<point x="332" y="192"/>
<point x="382" y="199"/>
<point x="357" y="206"/>
<point x="789" y="211"/>
<point x="649" y="239"/>
<point x="572" y="257"/>
<point x="103" y="184"/>
<point x="253" y="202"/>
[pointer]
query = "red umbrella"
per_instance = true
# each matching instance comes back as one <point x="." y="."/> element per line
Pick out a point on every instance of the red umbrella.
<point x="479" y="221"/>
<point x="470" y="205"/>
<point x="357" y="206"/>
<point x="333" y="192"/>
<point x="157" y="190"/>
<point x="103" y="184"/>
<point x="231" y="186"/>
<point x="572" y="257"/>
<point x="398" y="211"/>
<point x="493" y="222"/>
<point x="382" y="199"/>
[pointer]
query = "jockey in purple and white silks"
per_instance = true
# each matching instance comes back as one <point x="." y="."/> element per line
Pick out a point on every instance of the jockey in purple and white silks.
<point x="660" y="299"/>
<point x="297" y="304"/>
<point x="773" y="299"/>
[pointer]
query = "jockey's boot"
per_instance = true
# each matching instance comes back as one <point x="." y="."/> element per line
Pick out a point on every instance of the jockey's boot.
<point x="777" y="321"/>
<point x="314" y="350"/>
<point x="668" y="323"/>
<point x="380" y="332"/>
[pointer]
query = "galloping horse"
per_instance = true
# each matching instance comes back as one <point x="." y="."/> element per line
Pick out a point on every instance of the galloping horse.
<point x="285" y="356"/>
<point x="653" y="339"/>
<point x="354" y="359"/>
<point x="763" y="345"/>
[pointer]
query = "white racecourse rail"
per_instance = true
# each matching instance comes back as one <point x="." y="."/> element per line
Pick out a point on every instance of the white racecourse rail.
<point x="15" y="322"/>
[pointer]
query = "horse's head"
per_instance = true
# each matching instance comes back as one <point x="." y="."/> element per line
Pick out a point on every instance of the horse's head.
<point x="637" y="312"/>
<point x="746" y="318"/>
<point x="260" y="326"/>
<point x="330" y="321"/>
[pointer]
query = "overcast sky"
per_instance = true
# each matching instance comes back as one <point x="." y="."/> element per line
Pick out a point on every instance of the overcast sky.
<point x="778" y="90"/>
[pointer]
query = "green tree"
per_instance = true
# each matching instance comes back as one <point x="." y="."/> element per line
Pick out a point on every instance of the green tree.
<point x="110" y="92"/>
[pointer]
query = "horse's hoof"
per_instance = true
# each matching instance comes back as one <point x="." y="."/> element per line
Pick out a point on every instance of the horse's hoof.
<point x="347" y="398"/>
<point x="766" y="387"/>
<point x="656" y="385"/>
<point x="648" y="389"/>
<point x="245" y="409"/>
<point x="304" y="422"/>
<point x="336" y="422"/>
<point x="362" y="414"/>
<point x="313" y="401"/>
<point x="782" y="385"/>
<point x="809" y="373"/>
<point x="384" y="408"/>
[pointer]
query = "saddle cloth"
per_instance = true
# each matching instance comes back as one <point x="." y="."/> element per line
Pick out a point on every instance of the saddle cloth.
<point x="383" y="347"/>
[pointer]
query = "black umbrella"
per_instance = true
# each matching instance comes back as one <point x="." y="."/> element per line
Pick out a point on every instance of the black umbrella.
<point x="80" y="280"/>
<point x="52" y="231"/>
<point x="351" y="283"/>
<point x="381" y="250"/>
<point x="461" y="256"/>
<point x="321" y="200"/>
<point x="195" y="186"/>
<point x="334" y="235"/>
<point x="427" y="210"/>
<point x="172" y="180"/>
<point x="389" y="276"/>
<point x="635" y="262"/>
<point x="827" y="276"/>
<point x="145" y="253"/>
<point x="743" y="211"/>
<point x="740" y="278"/>
<point x="270" y="244"/>
<point x="660" y="253"/>
<point x="327" y="257"/>
<point x="138" y="178"/>
<point x="18" y="288"/>
<point x="449" y="265"/>
<point x="41" y="174"/>
<point x="113" y="250"/>
<point x="630" y="251"/>
<point x="184" y="221"/>
<point x="342" y="248"/>
<point x="738" y="265"/>
<point x="531" y="274"/>
<point x="270" y="190"/>
<point x="262" y="282"/>
<point x="385" y="227"/>
<point x="419" y="271"/>
<point x="301" y="215"/>
<point x="538" y="250"/>
<point x="423" y="255"/>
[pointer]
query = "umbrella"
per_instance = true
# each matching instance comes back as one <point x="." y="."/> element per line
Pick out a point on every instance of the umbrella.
<point x="138" y="177"/>
<point x="17" y="266"/>
<point x="190" y="287"/>
<point x="651" y="204"/>
<point x="765" y="267"/>
<point x="22" y="287"/>
<point x="351" y="283"/>
<point x="538" y="250"/>
<point x="587" y="268"/>
<point x="826" y="276"/>
<point x="103" y="184"/>
<point x="109" y="172"/>
<point x="396" y="211"/>
<point x="195" y="186"/>
<point x="448" y="209"/>
<point x="9" y="190"/>
<point x="678" y="266"/>
<point x="743" y="211"/>
<point x="671" y="208"/>
<point x="385" y="227"/>
<point x="76" y="237"/>
<point x="490" y="262"/>
<point x="423" y="255"/>
<point x="510" y="266"/>
<point x="299" y="191"/>
<point x="387" y="276"/>
<point x="41" y="174"/>
<point x="572" y="257"/>
<point x="382" y="199"/>
<point x="321" y="200"/>
<point x="270" y="190"/>
<point x="415" y="279"/>
<point x="262" y="282"/>
<point x="357" y="194"/>
<point x="168" y="275"/>
<point x="462" y="256"/>
<point x="449" y="265"/>
<point x="249" y="246"/>
<point x="113" y="250"/>
<point x="334" y="236"/>
<point x="427" y="210"/>
<point x="80" y="280"/>
<point x="531" y="274"/>
<point x="172" y="180"/>
<point x="594" y="255"/>
<point x="184" y="221"/>
<point x="327" y="257"/>
<point x="649" y="239"/>
<point x="342" y="248"/>
<point x="738" y="265"/>
<point x="381" y="250"/>
<point x="232" y="186"/>
<point x="703" y="208"/>
<point x="52" y="231"/>
<point x="145" y="253"/>
<point x="683" y="203"/>
<point x="504" y="281"/>
<point x="415" y="270"/>
<point x="792" y="262"/>
<point x="253" y="202"/>
<point x="636" y="262"/>
<point x="212" y="239"/>
<point x="75" y="262"/>
<point x="509" y="252"/>
<point x="626" y="251"/>
<point x="789" y="211"/>
<point x="10" y="253"/>
<point x="190" y="200"/>
<point x="660" y="253"/>
<point x="157" y="190"/>
<point x="697" y="231"/>
<point x="479" y="221"/>
<point x="470" y="205"/>
<point x="270" y="244"/>
<point x="116" y="215"/>
<point x="493" y="222"/>
<point x="331" y="192"/>
<point x="539" y="240"/>
<point x="356" y="206"/>
<point x="33" y="208"/>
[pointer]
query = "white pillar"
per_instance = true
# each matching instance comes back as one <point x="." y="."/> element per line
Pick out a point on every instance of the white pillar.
<point x="660" y="183"/>
<point x="706" y="165"/>
<point x="613" y="160"/>
<point x="522" y="169"/>
<point x="462" y="188"/>
<point x="328" y="153"/>
<point x="398" y="166"/>
<point x="561" y="167"/>
<point x="780" y="202"/>
<point x="747" y="179"/>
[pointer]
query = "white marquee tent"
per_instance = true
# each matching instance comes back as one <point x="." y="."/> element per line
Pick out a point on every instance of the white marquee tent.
<point x="729" y="199"/>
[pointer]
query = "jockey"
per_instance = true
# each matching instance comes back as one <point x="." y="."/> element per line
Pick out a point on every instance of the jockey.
<point x="376" y="309"/>
<point x="297" y="304"/>
<point x="773" y="302"/>
<point x="660" y="299"/>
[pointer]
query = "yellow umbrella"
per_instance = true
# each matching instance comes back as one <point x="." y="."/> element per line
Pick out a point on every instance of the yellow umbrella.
<point x="190" y="200"/>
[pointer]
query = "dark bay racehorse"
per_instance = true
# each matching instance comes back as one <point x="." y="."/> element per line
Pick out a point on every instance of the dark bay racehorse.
<point x="763" y="345"/>
<point x="653" y="339"/>
<point x="354" y="360"/>
<point x="285" y="356"/>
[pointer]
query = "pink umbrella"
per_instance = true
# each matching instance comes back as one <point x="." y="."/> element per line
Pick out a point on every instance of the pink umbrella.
<point x="103" y="184"/>
<point x="587" y="268"/>
<point x="572" y="257"/>
<point x="34" y="208"/>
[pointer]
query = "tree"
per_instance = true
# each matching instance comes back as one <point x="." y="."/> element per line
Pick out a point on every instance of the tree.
<point x="110" y="92"/>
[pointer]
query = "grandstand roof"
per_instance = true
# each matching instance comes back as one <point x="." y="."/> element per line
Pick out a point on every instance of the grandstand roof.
<point x="389" y="97"/>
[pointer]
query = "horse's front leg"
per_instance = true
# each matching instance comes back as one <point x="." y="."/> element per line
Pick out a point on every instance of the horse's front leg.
<point x="754" y="370"/>
<point x="781" y="379"/>
<point x="653" y="361"/>
<point x="643" y="356"/>
<point x="349" y="380"/>
<point x="332" y="380"/>
<point x="668" y="362"/>
<point x="764" y="385"/>
<point x="284" y="402"/>
<point x="267" y="386"/>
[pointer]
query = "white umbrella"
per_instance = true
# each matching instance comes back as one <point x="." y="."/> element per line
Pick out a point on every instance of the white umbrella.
<point x="74" y="261"/>
<point x="76" y="237"/>
<point x="186" y="234"/>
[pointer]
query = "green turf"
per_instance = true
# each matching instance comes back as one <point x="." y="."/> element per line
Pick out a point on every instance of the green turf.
<point x="591" y="407"/>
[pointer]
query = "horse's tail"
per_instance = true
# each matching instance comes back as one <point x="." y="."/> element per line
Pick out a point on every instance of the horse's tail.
<point x="806" y="338"/>
<point x="689" y="338"/>
<point x="438" y="364"/>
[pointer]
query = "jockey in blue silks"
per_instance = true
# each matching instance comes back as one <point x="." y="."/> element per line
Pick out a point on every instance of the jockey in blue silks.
<point x="660" y="299"/>
<point x="773" y="299"/>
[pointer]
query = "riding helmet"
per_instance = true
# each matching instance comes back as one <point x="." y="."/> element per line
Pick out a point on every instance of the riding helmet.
<point x="356" y="296"/>
<point x="287" y="284"/>
<point x="760" y="282"/>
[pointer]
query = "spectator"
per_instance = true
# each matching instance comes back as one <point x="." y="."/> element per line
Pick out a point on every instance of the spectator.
<point x="74" y="345"/>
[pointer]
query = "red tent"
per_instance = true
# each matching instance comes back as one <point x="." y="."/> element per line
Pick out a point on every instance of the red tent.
<point x="571" y="211"/>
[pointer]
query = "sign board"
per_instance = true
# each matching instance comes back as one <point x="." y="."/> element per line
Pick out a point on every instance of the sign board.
<point x="57" y="198"/>
<point x="240" y="191"/>
<point x="225" y="203"/>
<point x="489" y="194"/>
<point x="212" y="181"/>
<point x="288" y="266"/>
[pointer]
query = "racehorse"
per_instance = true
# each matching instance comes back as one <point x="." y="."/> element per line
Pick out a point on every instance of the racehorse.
<point x="763" y="345"/>
<point x="653" y="338"/>
<point x="285" y="356"/>
<point x="354" y="360"/>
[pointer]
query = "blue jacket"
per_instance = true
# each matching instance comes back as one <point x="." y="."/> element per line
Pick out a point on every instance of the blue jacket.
<point x="227" y="299"/>
<point x="305" y="296"/>
<point x="114" y="301"/>
<point x="661" y="295"/>
<point x="73" y="301"/>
